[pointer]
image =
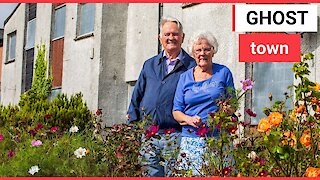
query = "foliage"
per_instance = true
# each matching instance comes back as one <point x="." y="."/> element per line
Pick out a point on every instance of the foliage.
<point x="287" y="142"/>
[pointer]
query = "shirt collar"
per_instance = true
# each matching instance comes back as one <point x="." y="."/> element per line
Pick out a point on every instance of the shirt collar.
<point x="164" y="55"/>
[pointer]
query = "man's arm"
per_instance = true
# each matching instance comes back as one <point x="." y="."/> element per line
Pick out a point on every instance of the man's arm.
<point x="137" y="95"/>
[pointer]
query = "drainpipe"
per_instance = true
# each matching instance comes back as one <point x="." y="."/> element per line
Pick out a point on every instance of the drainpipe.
<point x="159" y="19"/>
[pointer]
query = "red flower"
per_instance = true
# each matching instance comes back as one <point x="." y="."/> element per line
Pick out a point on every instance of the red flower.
<point x="39" y="126"/>
<point x="1" y="137"/>
<point x="202" y="131"/>
<point x="99" y="112"/>
<point x="211" y="114"/>
<point x="261" y="162"/>
<point x="226" y="171"/>
<point x="232" y="129"/>
<point x="169" y="131"/>
<point x="234" y="119"/>
<point x="251" y="113"/>
<point x="11" y="154"/>
<point x="218" y="126"/>
<point x="152" y="131"/>
<point x="54" y="129"/>
<point x="47" y="116"/>
<point x="263" y="173"/>
<point x="244" y="124"/>
<point x="33" y="132"/>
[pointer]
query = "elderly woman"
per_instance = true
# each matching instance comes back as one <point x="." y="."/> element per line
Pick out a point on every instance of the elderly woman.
<point x="196" y="95"/>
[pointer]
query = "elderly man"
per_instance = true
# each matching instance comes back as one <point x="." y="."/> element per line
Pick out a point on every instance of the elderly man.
<point x="154" y="91"/>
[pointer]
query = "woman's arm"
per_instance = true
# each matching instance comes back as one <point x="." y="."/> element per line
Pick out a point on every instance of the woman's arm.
<point x="184" y="119"/>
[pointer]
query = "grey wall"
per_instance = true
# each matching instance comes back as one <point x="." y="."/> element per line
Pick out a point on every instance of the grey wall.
<point x="12" y="72"/>
<point x="112" y="98"/>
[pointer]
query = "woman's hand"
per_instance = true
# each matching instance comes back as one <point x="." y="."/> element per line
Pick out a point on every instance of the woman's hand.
<point x="194" y="121"/>
<point x="184" y="119"/>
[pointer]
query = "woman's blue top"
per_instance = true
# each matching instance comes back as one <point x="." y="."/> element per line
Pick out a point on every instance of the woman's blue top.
<point x="199" y="98"/>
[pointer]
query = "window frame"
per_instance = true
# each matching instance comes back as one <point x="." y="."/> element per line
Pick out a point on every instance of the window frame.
<point x="54" y="21"/>
<point x="8" y="47"/>
<point x="78" y="30"/>
<point x="34" y="35"/>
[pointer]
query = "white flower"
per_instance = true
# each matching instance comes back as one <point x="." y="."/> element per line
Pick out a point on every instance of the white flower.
<point x="252" y="155"/>
<point x="33" y="170"/>
<point x="74" y="129"/>
<point x="80" y="152"/>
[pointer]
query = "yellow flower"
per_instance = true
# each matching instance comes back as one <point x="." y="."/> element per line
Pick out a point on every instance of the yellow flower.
<point x="316" y="87"/>
<point x="306" y="139"/>
<point x="264" y="125"/>
<point x="275" y="118"/>
<point x="289" y="139"/>
<point x="312" y="172"/>
<point x="293" y="116"/>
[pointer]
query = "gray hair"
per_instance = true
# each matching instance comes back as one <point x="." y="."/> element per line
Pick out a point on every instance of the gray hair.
<point x="200" y="35"/>
<point x="166" y="19"/>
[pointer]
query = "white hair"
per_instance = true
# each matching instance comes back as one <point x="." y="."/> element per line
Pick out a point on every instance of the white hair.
<point x="203" y="35"/>
<point x="166" y="19"/>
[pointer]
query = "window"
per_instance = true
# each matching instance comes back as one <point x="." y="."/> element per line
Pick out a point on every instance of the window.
<point x="11" y="48"/>
<point x="31" y="31"/>
<point x="59" y="22"/>
<point x="271" y="78"/>
<point x="86" y="18"/>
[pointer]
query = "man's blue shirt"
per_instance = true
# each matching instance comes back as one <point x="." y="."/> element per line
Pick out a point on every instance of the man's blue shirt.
<point x="155" y="89"/>
<point x="199" y="98"/>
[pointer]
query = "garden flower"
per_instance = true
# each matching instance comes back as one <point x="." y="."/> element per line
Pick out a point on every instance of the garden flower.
<point x="39" y="126"/>
<point x="275" y="118"/>
<point x="252" y="155"/>
<point x="316" y="87"/>
<point x="74" y="129"/>
<point x="54" y="129"/>
<point x="33" y="132"/>
<point x="312" y="172"/>
<point x="33" y="170"/>
<point x="1" y="137"/>
<point x="263" y="173"/>
<point x="226" y="171"/>
<point x="232" y="129"/>
<point x="264" y="125"/>
<point x="36" y="143"/>
<point x="211" y="114"/>
<point x="251" y="113"/>
<point x="289" y="139"/>
<point x="306" y="139"/>
<point x="202" y="131"/>
<point x="47" y="116"/>
<point x="11" y="154"/>
<point x="152" y="130"/>
<point x="246" y="84"/>
<point x="169" y="131"/>
<point x="99" y="112"/>
<point x="80" y="152"/>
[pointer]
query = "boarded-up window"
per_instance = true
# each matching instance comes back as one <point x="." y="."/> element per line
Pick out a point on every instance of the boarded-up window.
<point x="57" y="62"/>
<point x="57" y="45"/>
<point x="86" y="18"/>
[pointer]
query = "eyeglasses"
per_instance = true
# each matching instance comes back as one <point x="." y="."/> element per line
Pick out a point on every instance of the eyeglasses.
<point x="173" y="34"/>
<point x="205" y="50"/>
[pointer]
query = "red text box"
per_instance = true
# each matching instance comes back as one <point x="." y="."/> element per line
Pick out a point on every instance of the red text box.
<point x="269" y="47"/>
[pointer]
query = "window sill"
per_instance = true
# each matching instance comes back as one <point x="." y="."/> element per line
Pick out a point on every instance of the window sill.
<point x="9" y="61"/>
<point x="84" y="36"/>
<point x="57" y="38"/>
